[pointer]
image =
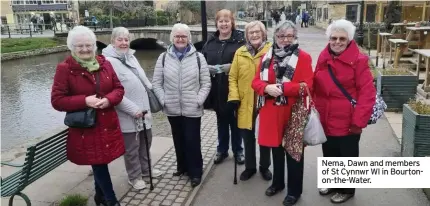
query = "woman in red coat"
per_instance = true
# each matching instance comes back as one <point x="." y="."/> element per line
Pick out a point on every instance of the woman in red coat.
<point x="341" y="121"/>
<point x="74" y="89"/>
<point x="277" y="83"/>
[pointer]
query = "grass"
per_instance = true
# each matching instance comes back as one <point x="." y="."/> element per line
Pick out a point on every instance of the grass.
<point x="419" y="107"/>
<point x="399" y="71"/>
<point x="74" y="200"/>
<point x="26" y="44"/>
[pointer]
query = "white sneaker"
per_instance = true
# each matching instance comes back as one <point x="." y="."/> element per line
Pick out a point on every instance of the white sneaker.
<point x="137" y="184"/>
<point x="155" y="173"/>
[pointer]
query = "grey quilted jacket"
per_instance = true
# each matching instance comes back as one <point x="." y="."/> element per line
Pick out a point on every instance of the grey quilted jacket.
<point x="180" y="86"/>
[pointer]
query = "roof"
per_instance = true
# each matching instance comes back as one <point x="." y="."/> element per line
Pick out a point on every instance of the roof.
<point x="43" y="7"/>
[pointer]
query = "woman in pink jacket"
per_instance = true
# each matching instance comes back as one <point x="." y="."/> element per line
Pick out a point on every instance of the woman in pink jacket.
<point x="342" y="61"/>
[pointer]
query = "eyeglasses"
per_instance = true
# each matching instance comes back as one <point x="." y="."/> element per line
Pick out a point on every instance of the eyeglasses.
<point x="181" y="37"/>
<point x="335" y="38"/>
<point x="254" y="32"/>
<point x="282" y="37"/>
<point x="82" y="46"/>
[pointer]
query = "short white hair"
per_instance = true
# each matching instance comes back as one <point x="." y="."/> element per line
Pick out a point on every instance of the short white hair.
<point x="180" y="27"/>
<point x="119" y="31"/>
<point x="80" y="31"/>
<point x="341" y="25"/>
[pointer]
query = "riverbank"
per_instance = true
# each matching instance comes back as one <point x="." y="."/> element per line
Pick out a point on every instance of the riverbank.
<point x="25" y="47"/>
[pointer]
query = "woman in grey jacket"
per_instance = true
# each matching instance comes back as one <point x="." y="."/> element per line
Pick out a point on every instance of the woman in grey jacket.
<point x="130" y="110"/>
<point x="181" y="83"/>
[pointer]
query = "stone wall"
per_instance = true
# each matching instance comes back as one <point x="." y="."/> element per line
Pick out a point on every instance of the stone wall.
<point x="23" y="54"/>
<point x="336" y="11"/>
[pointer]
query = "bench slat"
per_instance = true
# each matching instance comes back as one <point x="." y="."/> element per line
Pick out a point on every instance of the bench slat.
<point x="48" y="142"/>
<point x="10" y="183"/>
<point x="48" y="168"/>
<point x="42" y="155"/>
<point x="40" y="163"/>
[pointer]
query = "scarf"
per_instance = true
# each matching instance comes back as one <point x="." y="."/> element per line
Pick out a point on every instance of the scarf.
<point x="91" y="65"/>
<point x="251" y="49"/>
<point x="180" y="54"/>
<point x="285" y="62"/>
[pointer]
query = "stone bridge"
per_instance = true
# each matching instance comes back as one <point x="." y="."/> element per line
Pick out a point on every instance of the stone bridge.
<point x="146" y="38"/>
<point x="151" y="37"/>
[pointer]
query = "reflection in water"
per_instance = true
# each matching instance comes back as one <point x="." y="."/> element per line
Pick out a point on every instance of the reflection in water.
<point x="25" y="96"/>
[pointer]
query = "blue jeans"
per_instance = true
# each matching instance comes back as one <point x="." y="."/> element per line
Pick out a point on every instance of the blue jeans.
<point x="103" y="182"/>
<point x="227" y="122"/>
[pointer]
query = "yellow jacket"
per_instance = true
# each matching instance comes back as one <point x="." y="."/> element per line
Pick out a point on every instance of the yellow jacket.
<point x="242" y="72"/>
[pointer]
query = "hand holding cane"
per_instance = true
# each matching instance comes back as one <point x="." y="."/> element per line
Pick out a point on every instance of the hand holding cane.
<point x="147" y="150"/>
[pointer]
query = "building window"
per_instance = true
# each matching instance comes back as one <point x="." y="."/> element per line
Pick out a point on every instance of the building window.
<point x="61" y="1"/>
<point x="3" y="20"/>
<point x="30" y="2"/>
<point x="47" y="1"/>
<point x="325" y="14"/>
<point x="319" y="14"/>
<point x="370" y="12"/>
<point x="17" y="2"/>
<point x="351" y="13"/>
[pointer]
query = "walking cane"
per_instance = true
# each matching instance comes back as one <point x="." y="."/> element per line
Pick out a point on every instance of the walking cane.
<point x="235" y="160"/>
<point x="147" y="150"/>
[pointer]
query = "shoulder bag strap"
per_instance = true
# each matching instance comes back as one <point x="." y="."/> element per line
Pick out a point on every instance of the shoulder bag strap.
<point x="198" y="60"/>
<point x="345" y="93"/>
<point x="98" y="83"/>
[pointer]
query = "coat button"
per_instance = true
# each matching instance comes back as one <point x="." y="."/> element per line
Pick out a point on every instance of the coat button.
<point x="82" y="73"/>
<point x="107" y="145"/>
<point x="105" y="130"/>
<point x="82" y="136"/>
<point x="103" y="113"/>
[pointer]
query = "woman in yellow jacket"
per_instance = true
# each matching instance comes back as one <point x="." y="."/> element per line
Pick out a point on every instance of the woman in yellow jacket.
<point x="241" y="97"/>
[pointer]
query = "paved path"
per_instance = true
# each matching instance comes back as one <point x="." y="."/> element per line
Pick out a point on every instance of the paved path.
<point x="377" y="140"/>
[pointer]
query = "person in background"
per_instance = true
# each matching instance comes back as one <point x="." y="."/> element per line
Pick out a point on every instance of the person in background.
<point x="181" y="83"/>
<point x="74" y="89"/>
<point x="219" y="51"/>
<point x="130" y="110"/>
<point x="282" y="71"/>
<point x="342" y="123"/>
<point x="241" y="96"/>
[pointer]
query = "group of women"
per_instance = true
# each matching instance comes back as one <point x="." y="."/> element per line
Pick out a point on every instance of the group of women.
<point x="249" y="82"/>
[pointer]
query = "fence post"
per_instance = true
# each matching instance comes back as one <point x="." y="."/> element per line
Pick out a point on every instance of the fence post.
<point x="8" y="30"/>
<point x="29" y="26"/>
<point x="368" y="40"/>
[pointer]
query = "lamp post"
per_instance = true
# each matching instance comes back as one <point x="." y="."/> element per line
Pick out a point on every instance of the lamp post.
<point x="360" y="35"/>
<point x="204" y="21"/>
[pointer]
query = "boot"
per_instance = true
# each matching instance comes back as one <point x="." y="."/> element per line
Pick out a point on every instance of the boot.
<point x="113" y="203"/>
<point x="99" y="199"/>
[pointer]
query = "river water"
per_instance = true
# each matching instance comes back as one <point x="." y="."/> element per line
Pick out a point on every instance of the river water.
<point x="26" y="111"/>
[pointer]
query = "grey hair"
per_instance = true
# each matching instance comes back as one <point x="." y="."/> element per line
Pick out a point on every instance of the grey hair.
<point x="119" y="31"/>
<point x="182" y="27"/>
<point x="80" y="31"/>
<point x="260" y="26"/>
<point x="285" y="25"/>
<point x="341" y="25"/>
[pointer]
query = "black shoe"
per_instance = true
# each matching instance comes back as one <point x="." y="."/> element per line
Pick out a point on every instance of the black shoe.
<point x="195" y="181"/>
<point x="273" y="190"/>
<point x="290" y="200"/>
<point x="179" y="173"/>
<point x="266" y="174"/>
<point x="220" y="157"/>
<point x="99" y="200"/>
<point x="325" y="191"/>
<point x="340" y="197"/>
<point x="247" y="174"/>
<point x="240" y="158"/>
<point x="116" y="203"/>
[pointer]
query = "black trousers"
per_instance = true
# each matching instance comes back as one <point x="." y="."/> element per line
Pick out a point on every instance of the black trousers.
<point x="346" y="146"/>
<point x="294" y="172"/>
<point x="187" y="142"/>
<point x="250" y="151"/>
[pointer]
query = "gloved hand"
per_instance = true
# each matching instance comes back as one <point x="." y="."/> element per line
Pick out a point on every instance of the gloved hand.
<point x="355" y="130"/>
<point x="215" y="69"/>
<point x="225" y="68"/>
<point x="233" y="105"/>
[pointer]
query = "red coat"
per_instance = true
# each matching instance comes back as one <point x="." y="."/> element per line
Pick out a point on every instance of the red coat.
<point x="351" y="68"/>
<point x="72" y="83"/>
<point x="274" y="119"/>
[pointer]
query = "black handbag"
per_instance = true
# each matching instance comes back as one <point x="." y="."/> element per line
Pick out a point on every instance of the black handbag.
<point x="84" y="118"/>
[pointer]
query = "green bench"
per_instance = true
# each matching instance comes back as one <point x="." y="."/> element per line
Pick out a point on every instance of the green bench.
<point x="40" y="159"/>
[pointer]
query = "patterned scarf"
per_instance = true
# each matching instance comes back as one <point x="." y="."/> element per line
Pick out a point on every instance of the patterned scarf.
<point x="252" y="50"/>
<point x="285" y="62"/>
<point x="91" y="65"/>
